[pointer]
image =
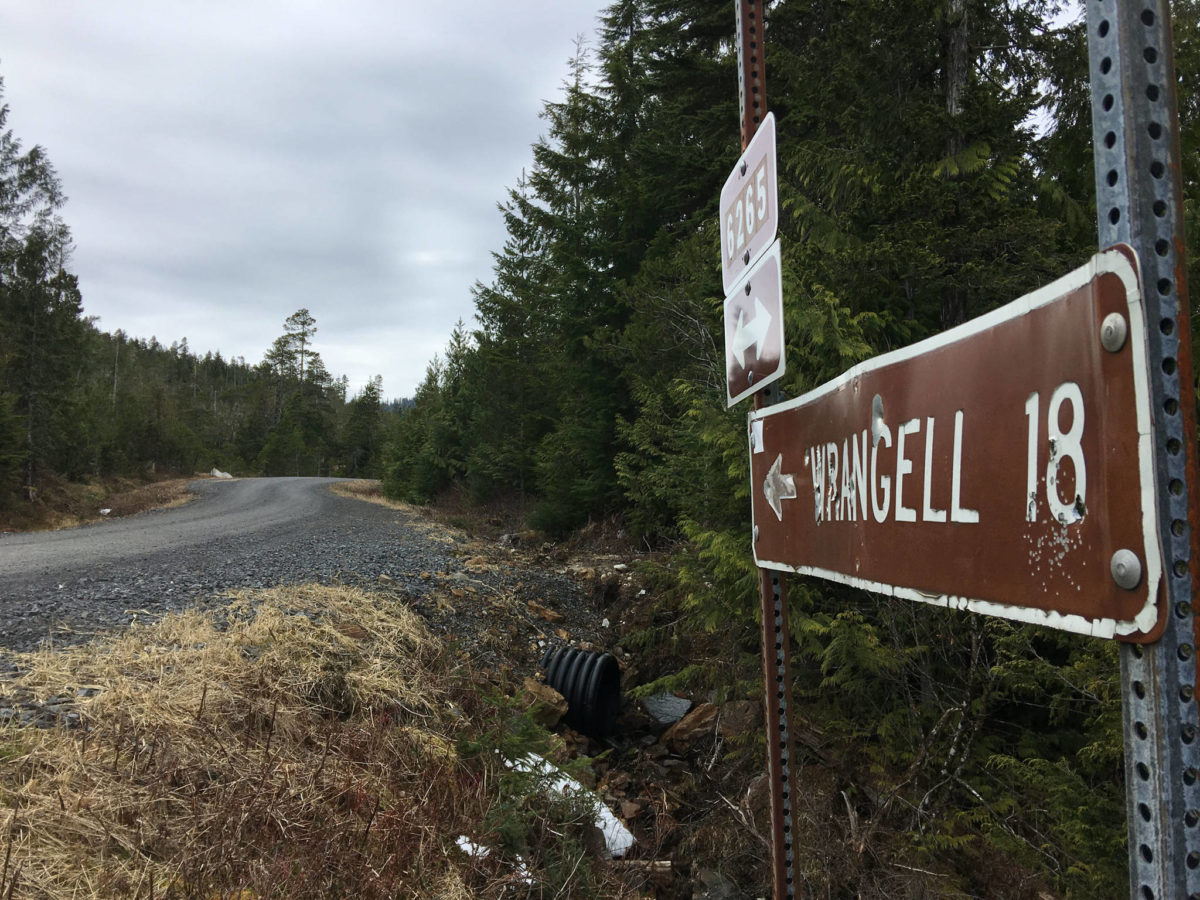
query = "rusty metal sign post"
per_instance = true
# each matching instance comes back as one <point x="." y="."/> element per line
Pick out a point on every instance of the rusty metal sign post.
<point x="1093" y="455"/>
<point x="1138" y="196"/>
<point x="776" y="659"/>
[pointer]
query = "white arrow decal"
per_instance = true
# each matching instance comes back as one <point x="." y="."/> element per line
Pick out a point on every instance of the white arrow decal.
<point x="752" y="333"/>
<point x="779" y="487"/>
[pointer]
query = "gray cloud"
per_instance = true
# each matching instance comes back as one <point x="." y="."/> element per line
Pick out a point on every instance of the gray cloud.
<point x="230" y="162"/>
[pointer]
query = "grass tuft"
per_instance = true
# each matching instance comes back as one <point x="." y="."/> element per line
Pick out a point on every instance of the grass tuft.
<point x="307" y="741"/>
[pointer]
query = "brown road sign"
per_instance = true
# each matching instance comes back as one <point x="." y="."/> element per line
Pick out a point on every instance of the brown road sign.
<point x="1004" y="466"/>
<point x="754" y="354"/>
<point x="749" y="206"/>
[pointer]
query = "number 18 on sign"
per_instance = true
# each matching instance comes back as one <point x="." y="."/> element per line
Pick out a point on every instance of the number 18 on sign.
<point x="1004" y="466"/>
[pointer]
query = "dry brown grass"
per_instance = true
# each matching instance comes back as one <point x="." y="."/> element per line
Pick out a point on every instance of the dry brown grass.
<point x="369" y="490"/>
<point x="305" y="742"/>
<point x="61" y="504"/>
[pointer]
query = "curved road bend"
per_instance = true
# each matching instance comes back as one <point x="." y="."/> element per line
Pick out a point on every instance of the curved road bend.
<point x="255" y="532"/>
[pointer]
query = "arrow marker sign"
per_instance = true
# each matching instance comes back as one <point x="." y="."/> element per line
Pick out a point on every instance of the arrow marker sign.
<point x="752" y="333"/>
<point x="754" y="329"/>
<point x="779" y="487"/>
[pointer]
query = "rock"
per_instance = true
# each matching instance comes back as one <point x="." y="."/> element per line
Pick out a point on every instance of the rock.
<point x="666" y="709"/>
<point x="690" y="730"/>
<point x="740" y="717"/>
<point x="550" y="615"/>
<point x="518" y="539"/>
<point x="217" y="473"/>
<point x="616" y="781"/>
<point x="757" y="798"/>
<point x="548" y="704"/>
<point x="607" y="590"/>
<point x="594" y="844"/>
<point x="712" y="885"/>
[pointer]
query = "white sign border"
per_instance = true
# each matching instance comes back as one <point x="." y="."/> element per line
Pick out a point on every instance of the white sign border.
<point x="774" y="252"/>
<point x="765" y="134"/>
<point x="1109" y="261"/>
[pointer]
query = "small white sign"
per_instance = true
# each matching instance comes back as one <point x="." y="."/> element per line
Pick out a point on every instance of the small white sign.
<point x="750" y="206"/>
<point x="754" y="349"/>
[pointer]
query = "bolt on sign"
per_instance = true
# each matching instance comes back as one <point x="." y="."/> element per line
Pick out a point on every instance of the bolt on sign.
<point x="1004" y="466"/>
<point x="749" y="206"/>
<point x="754" y="353"/>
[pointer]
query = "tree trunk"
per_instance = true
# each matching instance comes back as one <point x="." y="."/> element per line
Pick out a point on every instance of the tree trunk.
<point x="958" y="61"/>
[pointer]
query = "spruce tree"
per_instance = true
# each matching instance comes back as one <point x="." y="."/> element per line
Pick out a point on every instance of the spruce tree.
<point x="41" y="332"/>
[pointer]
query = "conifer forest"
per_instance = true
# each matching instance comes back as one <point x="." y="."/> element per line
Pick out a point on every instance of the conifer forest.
<point x="590" y="386"/>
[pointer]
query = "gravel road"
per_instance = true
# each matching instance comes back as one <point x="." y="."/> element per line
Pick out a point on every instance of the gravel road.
<point x="245" y="533"/>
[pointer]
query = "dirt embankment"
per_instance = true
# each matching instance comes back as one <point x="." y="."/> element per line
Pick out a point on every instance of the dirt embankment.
<point x="59" y="503"/>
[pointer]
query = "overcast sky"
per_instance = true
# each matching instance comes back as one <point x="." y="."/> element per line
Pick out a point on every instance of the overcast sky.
<point x="227" y="163"/>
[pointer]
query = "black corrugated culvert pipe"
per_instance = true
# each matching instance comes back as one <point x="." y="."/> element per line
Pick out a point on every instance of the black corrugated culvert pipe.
<point x="590" y="682"/>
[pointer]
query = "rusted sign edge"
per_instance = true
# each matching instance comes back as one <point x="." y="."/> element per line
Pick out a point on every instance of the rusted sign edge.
<point x="1119" y="261"/>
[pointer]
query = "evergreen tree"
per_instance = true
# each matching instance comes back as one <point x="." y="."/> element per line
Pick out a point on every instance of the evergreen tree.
<point x="362" y="434"/>
<point x="414" y="465"/>
<point x="300" y="437"/>
<point x="285" y="452"/>
<point x="574" y="460"/>
<point x="300" y="326"/>
<point x="515" y="406"/>
<point x="41" y="331"/>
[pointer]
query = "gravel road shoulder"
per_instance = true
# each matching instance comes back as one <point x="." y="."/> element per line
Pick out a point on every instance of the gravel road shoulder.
<point x="48" y="592"/>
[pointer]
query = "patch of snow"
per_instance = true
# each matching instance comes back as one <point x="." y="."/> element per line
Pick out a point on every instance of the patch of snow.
<point x="617" y="838"/>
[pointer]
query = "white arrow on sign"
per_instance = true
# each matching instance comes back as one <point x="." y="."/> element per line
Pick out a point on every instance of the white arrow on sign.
<point x="753" y="326"/>
<point x="779" y="487"/>
<point x="750" y="333"/>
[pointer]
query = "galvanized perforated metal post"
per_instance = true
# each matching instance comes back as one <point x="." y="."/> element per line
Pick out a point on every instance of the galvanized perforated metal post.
<point x="1138" y="196"/>
<point x="776" y="659"/>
